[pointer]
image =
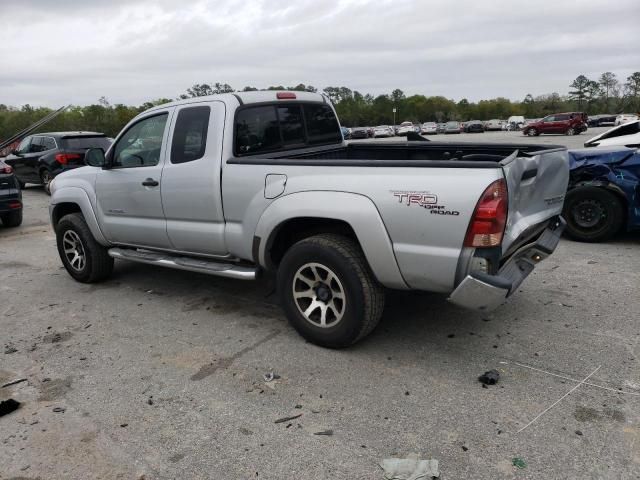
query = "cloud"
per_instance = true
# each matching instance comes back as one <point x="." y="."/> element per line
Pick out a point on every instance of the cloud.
<point x="136" y="50"/>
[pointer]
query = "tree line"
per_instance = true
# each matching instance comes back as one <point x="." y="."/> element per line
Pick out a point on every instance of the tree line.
<point x="606" y="94"/>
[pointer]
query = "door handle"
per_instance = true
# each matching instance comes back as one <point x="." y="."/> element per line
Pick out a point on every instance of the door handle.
<point x="150" y="182"/>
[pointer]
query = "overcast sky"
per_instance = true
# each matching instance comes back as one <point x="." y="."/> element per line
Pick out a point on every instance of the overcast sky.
<point x="58" y="52"/>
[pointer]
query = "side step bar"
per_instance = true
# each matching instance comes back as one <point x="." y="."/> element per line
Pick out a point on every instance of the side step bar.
<point x="190" y="264"/>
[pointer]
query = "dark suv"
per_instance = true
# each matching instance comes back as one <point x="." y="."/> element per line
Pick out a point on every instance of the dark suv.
<point x="40" y="157"/>
<point x="570" y="123"/>
<point x="10" y="197"/>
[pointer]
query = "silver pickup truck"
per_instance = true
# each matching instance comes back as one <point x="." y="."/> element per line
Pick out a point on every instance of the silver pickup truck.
<point x="236" y="185"/>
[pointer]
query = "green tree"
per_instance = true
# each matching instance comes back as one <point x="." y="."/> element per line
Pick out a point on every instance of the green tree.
<point x="610" y="88"/>
<point x="580" y="87"/>
<point x="632" y="91"/>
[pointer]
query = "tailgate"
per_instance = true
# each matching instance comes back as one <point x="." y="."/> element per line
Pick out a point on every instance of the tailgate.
<point x="537" y="183"/>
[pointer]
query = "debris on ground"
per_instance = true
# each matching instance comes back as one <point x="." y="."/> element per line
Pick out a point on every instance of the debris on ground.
<point x="579" y="433"/>
<point x="287" y="419"/>
<point x="8" y="406"/>
<point x="270" y="376"/>
<point x="518" y="462"/>
<point x="489" y="378"/>
<point x="9" y="349"/>
<point x="410" y="468"/>
<point x="324" y="432"/>
<point x="14" y="382"/>
<point x="59" y="409"/>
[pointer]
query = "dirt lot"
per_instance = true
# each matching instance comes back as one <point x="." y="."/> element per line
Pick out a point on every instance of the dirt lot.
<point x="158" y="374"/>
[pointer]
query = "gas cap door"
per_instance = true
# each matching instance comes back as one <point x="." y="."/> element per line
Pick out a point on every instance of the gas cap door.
<point x="274" y="185"/>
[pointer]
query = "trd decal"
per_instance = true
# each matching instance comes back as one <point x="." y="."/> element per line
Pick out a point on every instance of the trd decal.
<point x="416" y="198"/>
<point x="426" y="200"/>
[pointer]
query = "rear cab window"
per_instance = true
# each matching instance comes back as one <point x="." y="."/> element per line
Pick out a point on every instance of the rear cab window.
<point x="284" y="126"/>
<point x="190" y="134"/>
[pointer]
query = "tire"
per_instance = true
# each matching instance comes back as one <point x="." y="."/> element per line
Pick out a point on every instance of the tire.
<point x="45" y="179"/>
<point x="532" y="132"/>
<point x="593" y="214"/>
<point x="12" y="219"/>
<point x="95" y="264"/>
<point x="22" y="184"/>
<point x="315" y="259"/>
<point x="570" y="131"/>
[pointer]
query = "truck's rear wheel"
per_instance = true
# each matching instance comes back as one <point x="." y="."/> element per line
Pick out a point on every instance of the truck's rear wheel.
<point x="85" y="259"/>
<point x="328" y="291"/>
<point x="592" y="214"/>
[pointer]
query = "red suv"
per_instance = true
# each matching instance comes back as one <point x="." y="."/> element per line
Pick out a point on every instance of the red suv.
<point x="570" y="123"/>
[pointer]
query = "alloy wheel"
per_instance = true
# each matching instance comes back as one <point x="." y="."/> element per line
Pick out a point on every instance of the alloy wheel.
<point x="319" y="295"/>
<point x="73" y="250"/>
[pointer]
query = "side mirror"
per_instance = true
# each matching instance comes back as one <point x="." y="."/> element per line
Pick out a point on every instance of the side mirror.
<point x="94" y="157"/>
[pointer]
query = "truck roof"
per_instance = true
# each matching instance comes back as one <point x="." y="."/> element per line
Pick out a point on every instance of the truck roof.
<point x="244" y="98"/>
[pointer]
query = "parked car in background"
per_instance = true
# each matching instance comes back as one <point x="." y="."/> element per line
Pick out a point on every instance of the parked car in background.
<point x="429" y="128"/>
<point x="40" y="157"/>
<point x="493" y="124"/>
<point x="602" y="198"/>
<point x="359" y="132"/>
<point x="383" y="131"/>
<point x="334" y="223"/>
<point x="515" y="122"/>
<point x="10" y="197"/>
<point x="346" y="133"/>
<point x="442" y="127"/>
<point x="570" y="123"/>
<point x="452" y="127"/>
<point x="474" y="126"/>
<point x="602" y="120"/>
<point x="404" y="128"/>
<point x="370" y="132"/>
<point x="625" y="118"/>
<point x="625" y="135"/>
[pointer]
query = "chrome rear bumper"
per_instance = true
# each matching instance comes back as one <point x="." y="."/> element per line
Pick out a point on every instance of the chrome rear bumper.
<point x="479" y="291"/>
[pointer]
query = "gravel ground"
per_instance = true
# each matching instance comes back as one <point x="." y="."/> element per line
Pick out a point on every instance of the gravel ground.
<point x="158" y="374"/>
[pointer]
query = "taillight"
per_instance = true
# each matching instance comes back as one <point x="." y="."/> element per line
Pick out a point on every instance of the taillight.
<point x="15" y="205"/>
<point x="489" y="218"/>
<point x="63" y="158"/>
<point x="6" y="169"/>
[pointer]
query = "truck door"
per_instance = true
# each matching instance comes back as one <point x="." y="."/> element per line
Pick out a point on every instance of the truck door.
<point x="191" y="194"/>
<point x="128" y="191"/>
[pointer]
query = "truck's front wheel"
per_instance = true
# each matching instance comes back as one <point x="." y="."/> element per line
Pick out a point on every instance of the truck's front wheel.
<point x="328" y="291"/>
<point x="85" y="259"/>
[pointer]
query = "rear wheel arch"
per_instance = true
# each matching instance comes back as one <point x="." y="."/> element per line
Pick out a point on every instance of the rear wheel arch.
<point x="293" y="230"/>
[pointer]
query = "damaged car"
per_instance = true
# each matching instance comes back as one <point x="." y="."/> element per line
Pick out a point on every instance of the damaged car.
<point x="603" y="196"/>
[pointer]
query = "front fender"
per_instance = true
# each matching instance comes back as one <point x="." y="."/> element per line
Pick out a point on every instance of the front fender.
<point x="356" y="210"/>
<point x="77" y="196"/>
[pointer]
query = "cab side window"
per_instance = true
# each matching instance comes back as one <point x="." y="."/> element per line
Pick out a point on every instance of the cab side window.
<point x="48" y="143"/>
<point x="140" y="145"/>
<point x="36" y="145"/>
<point x="190" y="134"/>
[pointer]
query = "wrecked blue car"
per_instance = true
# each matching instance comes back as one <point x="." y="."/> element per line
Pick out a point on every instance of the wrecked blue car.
<point x="604" y="193"/>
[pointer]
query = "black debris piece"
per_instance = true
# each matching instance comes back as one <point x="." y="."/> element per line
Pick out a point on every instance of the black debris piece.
<point x="287" y="419"/>
<point x="124" y="425"/>
<point x="9" y="349"/>
<point x="324" y="432"/>
<point x="270" y="376"/>
<point x="464" y="449"/>
<point x="579" y="432"/>
<point x="489" y="378"/>
<point x="451" y="335"/>
<point x="14" y="382"/>
<point x="8" y="406"/>
<point x="59" y="409"/>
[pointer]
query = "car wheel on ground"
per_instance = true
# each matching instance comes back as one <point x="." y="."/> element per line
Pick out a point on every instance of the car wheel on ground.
<point x="45" y="179"/>
<point x="12" y="219"/>
<point x="593" y="214"/>
<point x="22" y="184"/>
<point x="570" y="131"/>
<point x="328" y="291"/>
<point x="85" y="259"/>
<point x="532" y="132"/>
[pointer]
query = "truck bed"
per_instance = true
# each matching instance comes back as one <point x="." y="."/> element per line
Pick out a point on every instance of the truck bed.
<point x="397" y="154"/>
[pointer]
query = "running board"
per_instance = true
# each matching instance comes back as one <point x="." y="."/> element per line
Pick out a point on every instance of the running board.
<point x="190" y="264"/>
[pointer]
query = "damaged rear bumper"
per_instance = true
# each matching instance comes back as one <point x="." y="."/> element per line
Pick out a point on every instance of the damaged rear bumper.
<point x="480" y="291"/>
